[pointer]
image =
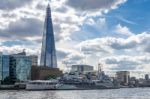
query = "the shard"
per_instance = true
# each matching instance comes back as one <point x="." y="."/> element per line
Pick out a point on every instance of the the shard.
<point x="48" y="51"/>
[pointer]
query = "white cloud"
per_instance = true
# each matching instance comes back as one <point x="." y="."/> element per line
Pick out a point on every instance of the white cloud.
<point x="125" y="20"/>
<point x="95" y="5"/>
<point x="19" y="48"/>
<point x="65" y="19"/>
<point x="13" y="4"/>
<point x="123" y="30"/>
<point x="125" y="62"/>
<point x="129" y="53"/>
<point x="117" y="43"/>
<point x="74" y="58"/>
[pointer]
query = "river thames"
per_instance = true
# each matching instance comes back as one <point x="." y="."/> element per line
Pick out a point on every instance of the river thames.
<point x="131" y="93"/>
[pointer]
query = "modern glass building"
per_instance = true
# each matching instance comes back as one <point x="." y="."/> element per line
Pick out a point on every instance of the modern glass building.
<point x="14" y="68"/>
<point x="5" y="67"/>
<point x="20" y="68"/>
<point x="48" y="52"/>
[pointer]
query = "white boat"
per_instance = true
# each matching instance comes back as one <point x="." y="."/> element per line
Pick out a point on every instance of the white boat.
<point x="42" y="85"/>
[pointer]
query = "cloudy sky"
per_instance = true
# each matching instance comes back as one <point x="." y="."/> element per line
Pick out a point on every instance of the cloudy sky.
<point x="113" y="32"/>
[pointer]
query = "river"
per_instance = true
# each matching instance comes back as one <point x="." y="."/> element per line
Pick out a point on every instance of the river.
<point x="126" y="93"/>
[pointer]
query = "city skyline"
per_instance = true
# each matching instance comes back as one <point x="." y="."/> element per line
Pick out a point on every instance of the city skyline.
<point x="113" y="32"/>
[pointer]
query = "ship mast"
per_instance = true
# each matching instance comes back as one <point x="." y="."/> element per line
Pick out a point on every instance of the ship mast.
<point x="100" y="71"/>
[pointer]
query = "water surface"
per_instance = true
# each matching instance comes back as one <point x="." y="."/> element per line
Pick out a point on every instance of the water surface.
<point x="127" y="93"/>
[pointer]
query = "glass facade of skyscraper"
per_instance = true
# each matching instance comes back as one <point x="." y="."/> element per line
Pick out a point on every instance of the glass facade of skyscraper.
<point x="48" y="52"/>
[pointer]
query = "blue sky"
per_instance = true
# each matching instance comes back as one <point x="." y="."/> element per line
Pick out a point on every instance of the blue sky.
<point x="134" y="11"/>
<point x="132" y="14"/>
<point x="114" y="32"/>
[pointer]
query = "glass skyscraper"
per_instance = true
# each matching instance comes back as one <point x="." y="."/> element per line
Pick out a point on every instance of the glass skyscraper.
<point x="48" y="51"/>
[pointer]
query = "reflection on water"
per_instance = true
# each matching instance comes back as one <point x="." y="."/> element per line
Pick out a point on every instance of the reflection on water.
<point x="137" y="93"/>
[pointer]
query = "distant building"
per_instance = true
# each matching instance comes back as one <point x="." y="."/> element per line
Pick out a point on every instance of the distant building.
<point x="34" y="59"/>
<point x="133" y="81"/>
<point x="146" y="77"/>
<point x="123" y="77"/>
<point x="81" y="68"/>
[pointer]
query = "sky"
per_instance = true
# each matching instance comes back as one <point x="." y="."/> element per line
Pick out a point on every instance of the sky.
<point x="112" y="32"/>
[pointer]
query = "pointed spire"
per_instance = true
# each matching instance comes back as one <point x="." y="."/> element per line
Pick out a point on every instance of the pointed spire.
<point x="48" y="6"/>
<point x="48" y="11"/>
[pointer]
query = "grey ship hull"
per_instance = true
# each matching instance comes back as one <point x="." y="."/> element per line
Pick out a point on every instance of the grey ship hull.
<point x="83" y="87"/>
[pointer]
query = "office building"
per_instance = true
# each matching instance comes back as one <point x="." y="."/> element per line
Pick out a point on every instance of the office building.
<point x="123" y="77"/>
<point x="34" y="59"/>
<point x="81" y="68"/>
<point x="4" y="64"/>
<point x="146" y="77"/>
<point x="48" y="51"/>
<point x="14" y="68"/>
<point x="20" y="67"/>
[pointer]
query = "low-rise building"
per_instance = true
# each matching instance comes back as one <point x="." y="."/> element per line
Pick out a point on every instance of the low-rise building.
<point x="81" y="68"/>
<point x="44" y="73"/>
<point x="146" y="77"/>
<point x="123" y="77"/>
